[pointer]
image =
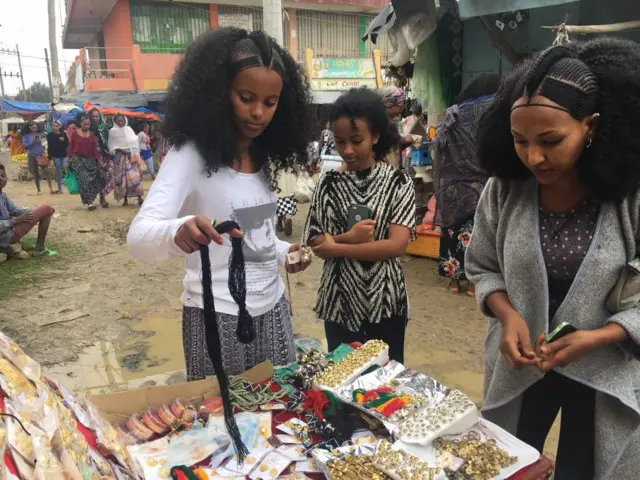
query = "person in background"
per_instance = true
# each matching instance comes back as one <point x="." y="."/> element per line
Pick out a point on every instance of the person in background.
<point x="85" y="160"/>
<point x="57" y="145"/>
<point x="238" y="113"/>
<point x="457" y="176"/>
<point x="16" y="222"/>
<point x="32" y="140"/>
<point x="363" y="293"/>
<point x="414" y="128"/>
<point x="287" y="203"/>
<point x="100" y="130"/>
<point x="71" y="127"/>
<point x="16" y="146"/>
<point x="394" y="100"/>
<point x="123" y="148"/>
<point x="144" y="146"/>
<point x="554" y="230"/>
<point x="159" y="145"/>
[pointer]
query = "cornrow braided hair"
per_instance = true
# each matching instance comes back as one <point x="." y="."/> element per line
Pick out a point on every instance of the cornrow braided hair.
<point x="596" y="76"/>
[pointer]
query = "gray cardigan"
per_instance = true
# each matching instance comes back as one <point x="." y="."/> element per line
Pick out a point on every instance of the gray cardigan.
<point x="505" y="255"/>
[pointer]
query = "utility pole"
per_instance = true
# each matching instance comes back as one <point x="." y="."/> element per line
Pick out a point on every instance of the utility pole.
<point x="272" y="13"/>
<point x="1" y="83"/>
<point x="46" y="59"/>
<point x="20" y="65"/>
<point x="53" y="46"/>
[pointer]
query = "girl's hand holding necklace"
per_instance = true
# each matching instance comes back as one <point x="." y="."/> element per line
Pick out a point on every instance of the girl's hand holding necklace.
<point x="199" y="231"/>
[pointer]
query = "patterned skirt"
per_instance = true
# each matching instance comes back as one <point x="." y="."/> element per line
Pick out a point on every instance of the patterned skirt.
<point x="287" y="207"/>
<point x="107" y="172"/>
<point x="90" y="177"/>
<point x="453" y="245"/>
<point x="274" y="341"/>
<point x="127" y="177"/>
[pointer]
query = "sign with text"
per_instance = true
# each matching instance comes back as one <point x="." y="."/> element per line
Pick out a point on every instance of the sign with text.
<point x="342" y="83"/>
<point x="343" y="68"/>
<point x="236" y="20"/>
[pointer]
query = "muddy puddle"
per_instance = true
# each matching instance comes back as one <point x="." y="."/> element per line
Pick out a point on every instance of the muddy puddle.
<point x="150" y="355"/>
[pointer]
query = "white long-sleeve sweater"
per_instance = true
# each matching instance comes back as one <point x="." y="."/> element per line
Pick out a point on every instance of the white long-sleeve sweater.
<point x="182" y="190"/>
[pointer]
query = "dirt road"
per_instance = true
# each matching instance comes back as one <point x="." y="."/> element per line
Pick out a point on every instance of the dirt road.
<point x="101" y="321"/>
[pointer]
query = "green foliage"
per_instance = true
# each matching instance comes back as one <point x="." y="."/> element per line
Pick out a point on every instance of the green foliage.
<point x="38" y="92"/>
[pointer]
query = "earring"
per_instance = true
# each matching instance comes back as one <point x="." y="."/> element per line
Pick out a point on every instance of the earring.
<point x="589" y="142"/>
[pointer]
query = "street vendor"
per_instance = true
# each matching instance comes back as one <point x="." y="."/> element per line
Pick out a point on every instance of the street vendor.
<point x="237" y="115"/>
<point x="554" y="230"/>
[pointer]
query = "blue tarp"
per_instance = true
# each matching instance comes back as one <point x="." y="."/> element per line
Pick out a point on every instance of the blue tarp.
<point x="25" y="107"/>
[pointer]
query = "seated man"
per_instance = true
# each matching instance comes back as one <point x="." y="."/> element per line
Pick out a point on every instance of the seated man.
<point x="16" y="222"/>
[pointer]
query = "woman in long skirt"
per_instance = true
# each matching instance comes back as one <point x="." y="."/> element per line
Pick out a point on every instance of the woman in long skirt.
<point x="85" y="160"/>
<point x="101" y="132"/>
<point x="123" y="147"/>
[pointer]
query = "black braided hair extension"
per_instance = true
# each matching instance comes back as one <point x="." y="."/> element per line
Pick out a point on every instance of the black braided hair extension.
<point x="238" y="289"/>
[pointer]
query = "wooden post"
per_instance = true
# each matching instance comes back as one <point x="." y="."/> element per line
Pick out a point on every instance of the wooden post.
<point x="20" y="65"/>
<point x="608" y="28"/>
<point x="46" y="59"/>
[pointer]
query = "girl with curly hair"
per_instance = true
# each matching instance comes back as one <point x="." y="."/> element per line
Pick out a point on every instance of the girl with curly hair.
<point x="237" y="115"/>
<point x="362" y="292"/>
<point x="554" y="230"/>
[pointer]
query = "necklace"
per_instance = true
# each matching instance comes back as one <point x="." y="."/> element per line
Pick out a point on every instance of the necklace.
<point x="554" y="226"/>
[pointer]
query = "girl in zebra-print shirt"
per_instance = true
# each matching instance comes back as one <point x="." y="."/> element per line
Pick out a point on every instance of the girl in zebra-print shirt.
<point x="362" y="293"/>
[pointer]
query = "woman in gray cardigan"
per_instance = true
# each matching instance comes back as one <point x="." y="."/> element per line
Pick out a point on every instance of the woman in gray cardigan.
<point x="554" y="229"/>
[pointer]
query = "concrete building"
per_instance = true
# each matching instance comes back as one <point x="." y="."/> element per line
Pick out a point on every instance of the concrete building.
<point x="134" y="45"/>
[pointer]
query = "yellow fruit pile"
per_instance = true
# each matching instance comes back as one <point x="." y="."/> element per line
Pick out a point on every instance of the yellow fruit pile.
<point x="19" y="158"/>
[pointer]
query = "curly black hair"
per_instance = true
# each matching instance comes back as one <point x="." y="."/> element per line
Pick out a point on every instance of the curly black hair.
<point x="610" y="169"/>
<point x="199" y="110"/>
<point x="481" y="85"/>
<point x="367" y="104"/>
<point x="27" y="127"/>
<point x="80" y="117"/>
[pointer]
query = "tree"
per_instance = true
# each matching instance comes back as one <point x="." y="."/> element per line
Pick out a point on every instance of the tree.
<point x="38" y="92"/>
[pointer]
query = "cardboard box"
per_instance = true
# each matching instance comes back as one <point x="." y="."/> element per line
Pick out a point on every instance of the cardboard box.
<point x="121" y="405"/>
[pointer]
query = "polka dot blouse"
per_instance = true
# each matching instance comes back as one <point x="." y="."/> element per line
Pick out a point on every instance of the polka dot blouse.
<point x="565" y="238"/>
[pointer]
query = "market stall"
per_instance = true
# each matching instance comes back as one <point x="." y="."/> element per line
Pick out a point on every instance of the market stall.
<point x="349" y="414"/>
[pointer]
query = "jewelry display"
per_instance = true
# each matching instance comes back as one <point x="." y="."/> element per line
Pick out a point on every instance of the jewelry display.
<point x="248" y="397"/>
<point x="483" y="460"/>
<point x="270" y="467"/>
<point x="454" y="414"/>
<point x="334" y="420"/>
<point x="371" y="353"/>
<point x="401" y="465"/>
<point x="355" y="467"/>
<point x="310" y="365"/>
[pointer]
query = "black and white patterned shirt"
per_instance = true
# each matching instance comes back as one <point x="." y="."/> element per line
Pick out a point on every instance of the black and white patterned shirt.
<point x="353" y="292"/>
